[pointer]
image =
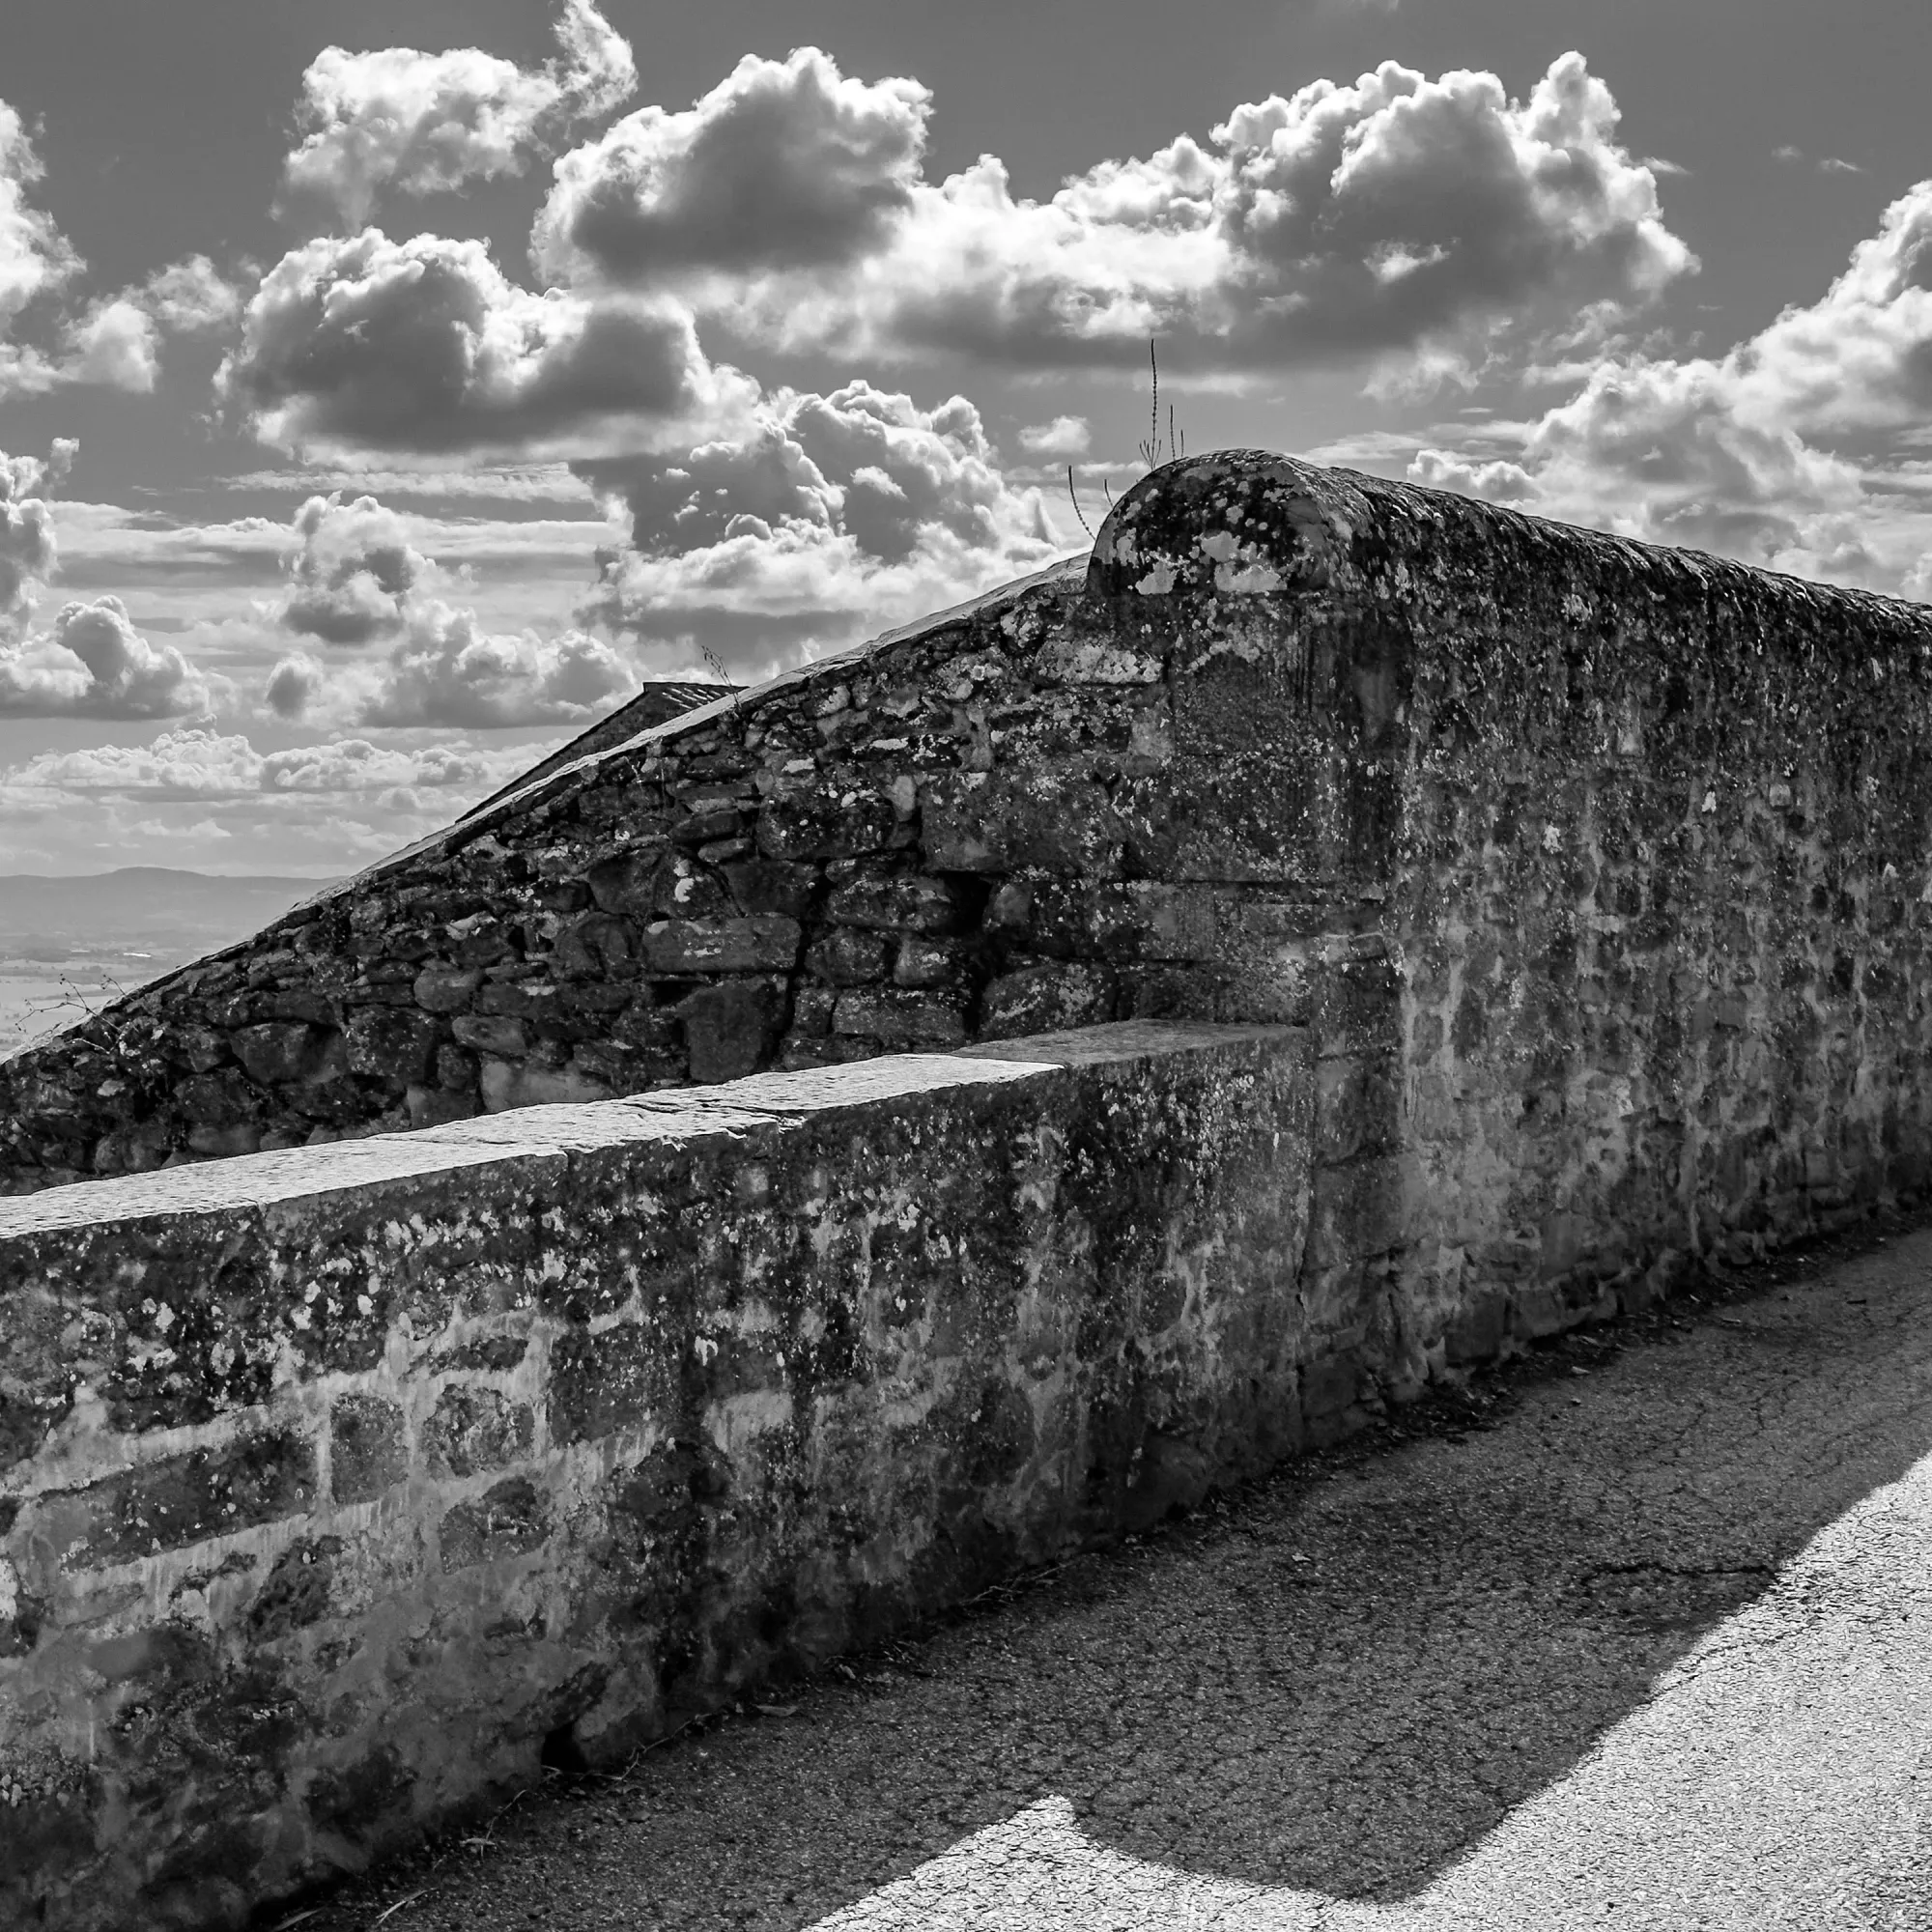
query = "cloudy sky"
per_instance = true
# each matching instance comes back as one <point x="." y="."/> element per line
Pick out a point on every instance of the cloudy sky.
<point x="386" y="386"/>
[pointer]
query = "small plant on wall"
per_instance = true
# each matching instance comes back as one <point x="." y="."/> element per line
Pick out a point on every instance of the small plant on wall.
<point x="1149" y="447"/>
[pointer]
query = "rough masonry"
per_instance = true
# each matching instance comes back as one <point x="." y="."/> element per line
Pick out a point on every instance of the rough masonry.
<point x="1599" y="868"/>
<point x="353" y="1482"/>
<point x="1592" y="879"/>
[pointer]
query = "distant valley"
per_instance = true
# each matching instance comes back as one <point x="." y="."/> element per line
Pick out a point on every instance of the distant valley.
<point x="69" y="947"/>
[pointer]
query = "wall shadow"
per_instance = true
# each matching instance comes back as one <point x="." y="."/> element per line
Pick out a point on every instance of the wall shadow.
<point x="1337" y="1682"/>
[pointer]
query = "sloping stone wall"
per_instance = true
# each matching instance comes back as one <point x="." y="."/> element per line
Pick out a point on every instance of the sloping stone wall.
<point x="959" y="833"/>
<point x="338" y="1481"/>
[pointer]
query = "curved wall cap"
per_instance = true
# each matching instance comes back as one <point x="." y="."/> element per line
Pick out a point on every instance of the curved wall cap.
<point x="1233" y="523"/>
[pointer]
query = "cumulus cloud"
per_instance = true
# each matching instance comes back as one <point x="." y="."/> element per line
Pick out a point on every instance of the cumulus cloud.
<point x="425" y="345"/>
<point x="36" y="259"/>
<point x="1860" y="357"/>
<point x="449" y="671"/>
<point x="318" y="807"/>
<point x="95" y="664"/>
<point x="117" y="342"/>
<point x="1756" y="453"/>
<point x="198" y="763"/>
<point x="784" y="164"/>
<point x="351" y="573"/>
<point x="1341" y="222"/>
<point x="198" y="795"/>
<point x="834" y="513"/>
<point x="27" y="548"/>
<point x="354" y="576"/>
<point x="1063" y="435"/>
<point x="414" y="123"/>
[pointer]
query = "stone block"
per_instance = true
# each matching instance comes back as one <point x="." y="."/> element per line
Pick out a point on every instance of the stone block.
<point x="279" y="1050"/>
<point x="1054" y="822"/>
<point x="392" y="1043"/>
<point x="510" y="1519"/>
<point x="828" y="821"/>
<point x="296" y="1592"/>
<point x="595" y="946"/>
<point x="201" y="1048"/>
<point x="731" y="1029"/>
<point x="1357" y="1106"/>
<point x="613" y="1380"/>
<point x="1329" y="1385"/>
<point x="1046" y="998"/>
<point x="761" y="942"/>
<point x="217" y="1098"/>
<point x="435" y="1106"/>
<point x="911" y="903"/>
<point x="499" y="1033"/>
<point x="532" y="1000"/>
<point x="1073" y="660"/>
<point x="367" y="1450"/>
<point x="1476" y="1333"/>
<point x="897" y="1018"/>
<point x="258" y="1477"/>
<point x="929" y="962"/>
<point x="627" y="881"/>
<point x="848" y="958"/>
<point x="473" y="1428"/>
<point x="504" y="1084"/>
<point x="771" y="886"/>
<point x="1357" y="1210"/>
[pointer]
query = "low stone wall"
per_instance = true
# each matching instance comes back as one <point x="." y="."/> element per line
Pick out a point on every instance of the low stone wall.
<point x="334" y="1484"/>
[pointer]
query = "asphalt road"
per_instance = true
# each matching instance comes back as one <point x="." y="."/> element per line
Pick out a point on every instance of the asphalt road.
<point x="1636" y="1632"/>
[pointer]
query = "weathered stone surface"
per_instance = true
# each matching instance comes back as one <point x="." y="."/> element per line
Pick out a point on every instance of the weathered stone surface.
<point x="280" y="1050"/>
<point x="827" y="821"/>
<point x="614" y="1379"/>
<point x="473" y="1428"/>
<point x="445" y="988"/>
<point x="499" y="1033"/>
<point x="366" y="1447"/>
<point x="729" y="1028"/>
<point x="765" y="1397"/>
<point x="1046" y="997"/>
<point x="844" y="957"/>
<point x="760" y="942"/>
<point x="510" y="1519"/>
<point x="389" y="1043"/>
<point x="895" y="1017"/>
<point x="906" y="903"/>
<point x="1594" y="872"/>
<point x="186" y="1499"/>
<point x="771" y="886"/>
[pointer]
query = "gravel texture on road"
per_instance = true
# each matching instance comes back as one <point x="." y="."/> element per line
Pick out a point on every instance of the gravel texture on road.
<point x="1635" y="1631"/>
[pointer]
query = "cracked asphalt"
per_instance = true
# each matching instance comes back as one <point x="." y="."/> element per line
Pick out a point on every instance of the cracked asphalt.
<point x="1635" y="1632"/>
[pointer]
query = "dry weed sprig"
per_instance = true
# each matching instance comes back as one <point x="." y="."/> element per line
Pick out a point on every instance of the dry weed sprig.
<point x="1149" y="450"/>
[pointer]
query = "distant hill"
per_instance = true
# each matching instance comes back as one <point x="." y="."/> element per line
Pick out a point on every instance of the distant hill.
<point x="70" y="947"/>
<point x="142" y="902"/>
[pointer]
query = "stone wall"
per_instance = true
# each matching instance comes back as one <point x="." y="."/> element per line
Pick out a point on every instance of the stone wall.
<point x="959" y="833"/>
<point x="1595" y="878"/>
<point x="338" y="1486"/>
<point x="1600" y="871"/>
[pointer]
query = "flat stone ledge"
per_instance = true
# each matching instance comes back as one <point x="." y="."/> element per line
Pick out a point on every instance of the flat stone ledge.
<point x="532" y="1133"/>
